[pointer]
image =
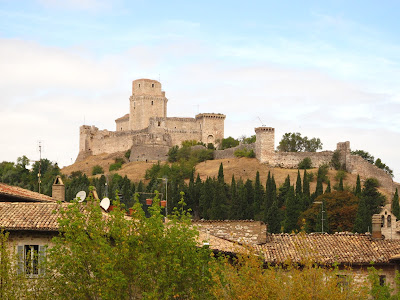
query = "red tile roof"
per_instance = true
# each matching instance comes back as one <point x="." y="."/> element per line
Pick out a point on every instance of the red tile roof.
<point x="343" y="248"/>
<point x="22" y="194"/>
<point x="29" y="216"/>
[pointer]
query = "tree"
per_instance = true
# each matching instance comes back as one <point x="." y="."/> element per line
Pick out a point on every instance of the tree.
<point x="229" y="142"/>
<point x="131" y="259"/>
<point x="306" y="163"/>
<point x="383" y="166"/>
<point x="291" y="212"/>
<point x="364" y="154"/>
<point x="357" y="190"/>
<point x="97" y="170"/>
<point x="395" y="205"/>
<point x="294" y="142"/>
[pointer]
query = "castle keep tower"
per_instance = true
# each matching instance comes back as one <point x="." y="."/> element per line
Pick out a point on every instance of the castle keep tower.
<point x="265" y="144"/>
<point x="147" y="101"/>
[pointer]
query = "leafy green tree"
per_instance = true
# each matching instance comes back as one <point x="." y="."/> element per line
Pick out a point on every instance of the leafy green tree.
<point x="294" y="142"/>
<point x="335" y="161"/>
<point x="229" y="142"/>
<point x="97" y="170"/>
<point x="395" y="205"/>
<point x="383" y="166"/>
<point x="364" y="154"/>
<point x="306" y="163"/>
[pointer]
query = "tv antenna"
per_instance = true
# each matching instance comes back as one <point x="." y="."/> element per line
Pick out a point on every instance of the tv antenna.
<point x="262" y="123"/>
<point x="40" y="166"/>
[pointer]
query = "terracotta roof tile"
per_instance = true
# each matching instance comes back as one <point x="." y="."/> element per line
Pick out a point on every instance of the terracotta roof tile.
<point x="29" y="216"/>
<point x="23" y="194"/>
<point x="344" y="248"/>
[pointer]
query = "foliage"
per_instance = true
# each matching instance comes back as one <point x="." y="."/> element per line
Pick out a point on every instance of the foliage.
<point x="335" y="161"/>
<point x="306" y="163"/>
<point x="229" y="142"/>
<point x="97" y="170"/>
<point x="340" y="174"/>
<point x="364" y="154"/>
<point x="341" y="209"/>
<point x="127" y="154"/>
<point x="115" y="166"/>
<point x="395" y="205"/>
<point x="294" y="142"/>
<point x="187" y="154"/>
<point x="244" y="152"/>
<point x="383" y="166"/>
<point x="120" y="258"/>
<point x="248" y="140"/>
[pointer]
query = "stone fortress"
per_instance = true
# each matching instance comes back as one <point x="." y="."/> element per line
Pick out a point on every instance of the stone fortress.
<point x="147" y="130"/>
<point x="149" y="134"/>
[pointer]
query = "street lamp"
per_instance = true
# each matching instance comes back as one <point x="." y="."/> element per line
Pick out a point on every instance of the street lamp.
<point x="322" y="214"/>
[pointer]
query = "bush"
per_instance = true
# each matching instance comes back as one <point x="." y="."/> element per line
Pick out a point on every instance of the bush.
<point x="97" y="170"/>
<point x="335" y="161"/>
<point x="306" y="163"/>
<point x="244" y="153"/>
<point x="115" y="167"/>
<point x="340" y="175"/>
<point x="119" y="160"/>
<point x="128" y="154"/>
<point x="229" y="142"/>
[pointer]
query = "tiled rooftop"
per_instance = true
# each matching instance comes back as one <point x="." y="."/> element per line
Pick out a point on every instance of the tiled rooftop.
<point x="29" y="216"/>
<point x="345" y="248"/>
<point x="22" y="194"/>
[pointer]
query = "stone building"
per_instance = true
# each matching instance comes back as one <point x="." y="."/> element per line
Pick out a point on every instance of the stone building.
<point x="147" y="130"/>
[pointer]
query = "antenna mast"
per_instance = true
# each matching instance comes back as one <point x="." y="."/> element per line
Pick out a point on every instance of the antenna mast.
<point x="40" y="164"/>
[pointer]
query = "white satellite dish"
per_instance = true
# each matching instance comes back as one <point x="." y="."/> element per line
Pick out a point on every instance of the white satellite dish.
<point x="105" y="203"/>
<point x="80" y="196"/>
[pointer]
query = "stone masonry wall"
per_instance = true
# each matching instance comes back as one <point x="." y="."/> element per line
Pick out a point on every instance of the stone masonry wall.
<point x="291" y="160"/>
<point x="230" y="152"/>
<point x="249" y="232"/>
<point x="149" y="152"/>
<point x="357" y="165"/>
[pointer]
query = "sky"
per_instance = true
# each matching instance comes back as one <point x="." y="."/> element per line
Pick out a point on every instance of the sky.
<point x="327" y="69"/>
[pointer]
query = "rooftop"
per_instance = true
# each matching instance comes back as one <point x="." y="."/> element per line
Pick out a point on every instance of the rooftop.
<point x="15" y="193"/>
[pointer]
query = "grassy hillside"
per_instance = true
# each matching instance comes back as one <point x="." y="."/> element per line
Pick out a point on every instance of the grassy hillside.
<point x="244" y="168"/>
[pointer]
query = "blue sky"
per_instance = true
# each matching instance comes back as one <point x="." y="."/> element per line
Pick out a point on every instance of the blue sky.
<point x="327" y="69"/>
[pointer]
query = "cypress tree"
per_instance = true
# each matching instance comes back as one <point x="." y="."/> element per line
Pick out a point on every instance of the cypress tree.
<point x="242" y="201"/>
<point x="249" y="212"/>
<point x="221" y="173"/>
<point x="341" y="188"/>
<point x="268" y="194"/>
<point x="319" y="190"/>
<point x="306" y="185"/>
<point x="328" y="187"/>
<point x="357" y="191"/>
<point x="234" y="207"/>
<point x="291" y="212"/>
<point x="283" y="190"/>
<point x="362" y="217"/>
<point x="273" y="218"/>
<point x="207" y="194"/>
<point x="298" y="184"/>
<point x="258" y="198"/>
<point x="395" y="205"/>
<point x="197" y="194"/>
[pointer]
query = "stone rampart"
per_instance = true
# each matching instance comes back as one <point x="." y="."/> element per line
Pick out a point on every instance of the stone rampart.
<point x="230" y="152"/>
<point x="149" y="152"/>
<point x="357" y="165"/>
<point x="291" y="160"/>
<point x="245" y="231"/>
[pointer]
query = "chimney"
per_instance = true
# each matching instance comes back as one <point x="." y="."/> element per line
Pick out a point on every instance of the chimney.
<point x="58" y="190"/>
<point x="376" y="226"/>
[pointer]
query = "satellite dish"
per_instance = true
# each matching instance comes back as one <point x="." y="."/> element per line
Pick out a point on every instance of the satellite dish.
<point x="80" y="196"/>
<point x="105" y="203"/>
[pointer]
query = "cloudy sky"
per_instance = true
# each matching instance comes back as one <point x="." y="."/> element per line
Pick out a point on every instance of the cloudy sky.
<point x="327" y="69"/>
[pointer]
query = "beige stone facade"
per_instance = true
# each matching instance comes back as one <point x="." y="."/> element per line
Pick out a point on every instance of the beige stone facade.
<point x="147" y="129"/>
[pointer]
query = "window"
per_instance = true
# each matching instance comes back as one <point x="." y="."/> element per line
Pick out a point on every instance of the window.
<point x="383" y="221"/>
<point x="30" y="259"/>
<point x="152" y="85"/>
<point x="139" y="84"/>
<point x="389" y="221"/>
<point x="152" y="102"/>
<point x="159" y="123"/>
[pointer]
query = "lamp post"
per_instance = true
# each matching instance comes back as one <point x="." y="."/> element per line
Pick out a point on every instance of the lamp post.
<point x="322" y="214"/>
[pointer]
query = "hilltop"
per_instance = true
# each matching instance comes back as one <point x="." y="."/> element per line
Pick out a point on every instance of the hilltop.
<point x="245" y="168"/>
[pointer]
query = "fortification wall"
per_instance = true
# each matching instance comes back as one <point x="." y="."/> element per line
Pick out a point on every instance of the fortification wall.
<point x="149" y="152"/>
<point x="229" y="153"/>
<point x="247" y="231"/>
<point x="212" y="127"/>
<point x="265" y="144"/>
<point x="291" y="160"/>
<point x="357" y="165"/>
<point x="188" y="124"/>
<point x="105" y="141"/>
<point x="122" y="124"/>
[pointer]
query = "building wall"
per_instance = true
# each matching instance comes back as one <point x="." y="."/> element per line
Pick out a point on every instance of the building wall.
<point x="149" y="153"/>
<point x="20" y="238"/>
<point x="250" y="232"/>
<point x="122" y="124"/>
<point x="212" y="127"/>
<point x="230" y="152"/>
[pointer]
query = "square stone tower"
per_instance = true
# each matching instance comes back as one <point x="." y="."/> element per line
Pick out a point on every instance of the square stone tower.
<point x="147" y="101"/>
<point x="265" y="144"/>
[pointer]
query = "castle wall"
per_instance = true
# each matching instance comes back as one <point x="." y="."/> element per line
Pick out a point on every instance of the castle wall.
<point x="357" y="165"/>
<point x="265" y="144"/>
<point x="104" y="141"/>
<point x="230" y="152"/>
<point x="291" y="160"/>
<point x="149" y="152"/>
<point x="122" y="124"/>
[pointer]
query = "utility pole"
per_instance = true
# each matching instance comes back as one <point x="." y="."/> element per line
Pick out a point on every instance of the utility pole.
<point x="40" y="165"/>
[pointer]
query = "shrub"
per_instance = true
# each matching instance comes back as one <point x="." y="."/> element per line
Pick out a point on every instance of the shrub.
<point x="128" y="154"/>
<point x="229" y="142"/>
<point x="340" y="175"/>
<point x="97" y="170"/>
<point x="114" y="167"/>
<point x="306" y="163"/>
<point x="323" y="172"/>
<point x="244" y="153"/>
<point x="119" y="160"/>
<point x="335" y="161"/>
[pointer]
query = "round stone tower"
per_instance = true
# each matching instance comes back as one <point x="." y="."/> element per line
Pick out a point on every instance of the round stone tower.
<point x="147" y="101"/>
<point x="265" y="144"/>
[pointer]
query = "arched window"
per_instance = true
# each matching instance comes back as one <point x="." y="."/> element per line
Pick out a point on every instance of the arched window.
<point x="152" y="102"/>
<point x="389" y="221"/>
<point x="383" y="221"/>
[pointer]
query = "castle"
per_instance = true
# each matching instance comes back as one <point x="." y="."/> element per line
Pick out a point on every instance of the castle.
<point x="149" y="134"/>
<point x="147" y="130"/>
